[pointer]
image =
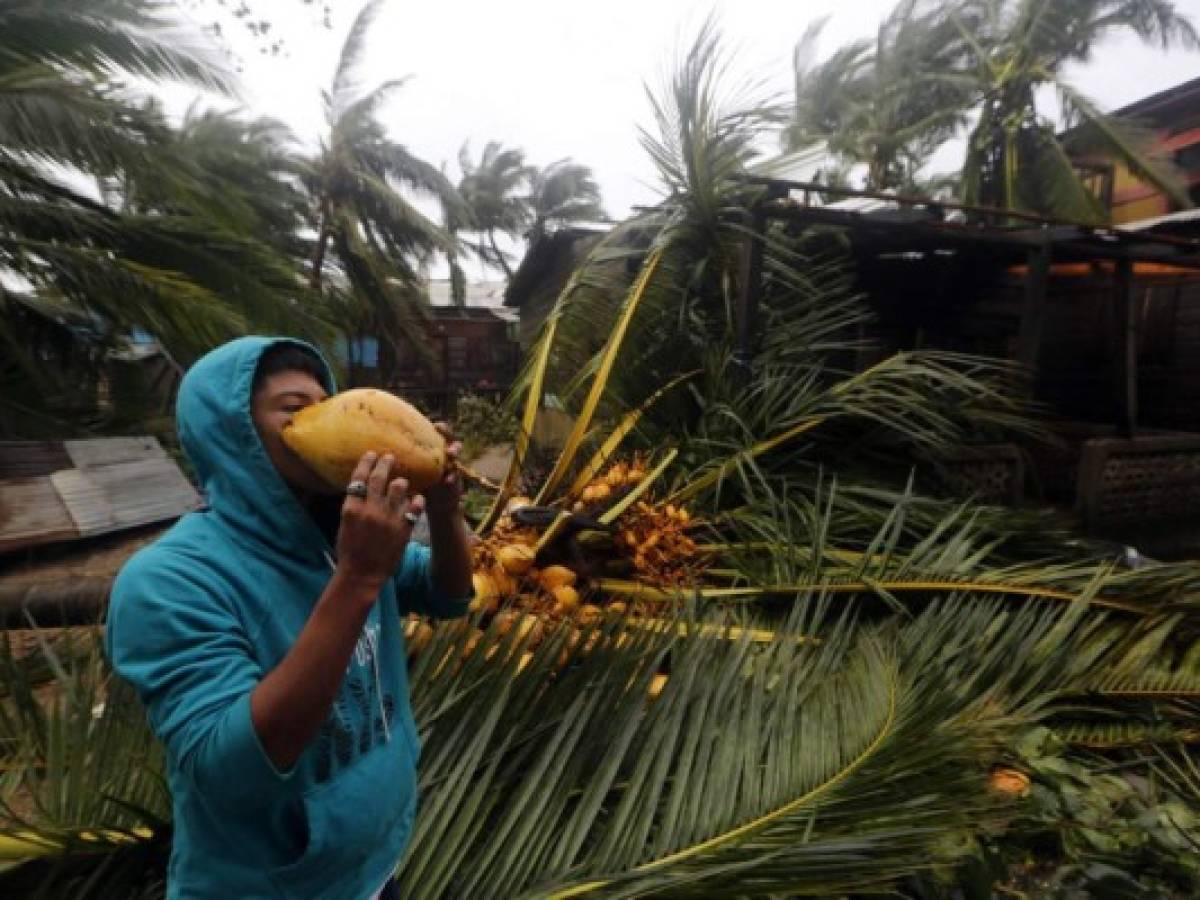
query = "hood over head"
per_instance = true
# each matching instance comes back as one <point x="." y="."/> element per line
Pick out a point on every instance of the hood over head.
<point x="218" y="435"/>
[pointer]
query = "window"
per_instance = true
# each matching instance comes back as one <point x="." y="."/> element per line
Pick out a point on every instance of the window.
<point x="1188" y="158"/>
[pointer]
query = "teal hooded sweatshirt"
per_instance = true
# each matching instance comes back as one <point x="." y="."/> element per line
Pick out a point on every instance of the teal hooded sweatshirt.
<point x="199" y="617"/>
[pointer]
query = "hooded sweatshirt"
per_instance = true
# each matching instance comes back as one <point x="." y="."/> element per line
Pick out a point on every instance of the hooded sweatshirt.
<point x="197" y="619"/>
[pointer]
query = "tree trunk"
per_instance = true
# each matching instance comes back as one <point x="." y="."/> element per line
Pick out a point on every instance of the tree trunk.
<point x="318" y="260"/>
<point x="1010" y="166"/>
<point x="499" y="256"/>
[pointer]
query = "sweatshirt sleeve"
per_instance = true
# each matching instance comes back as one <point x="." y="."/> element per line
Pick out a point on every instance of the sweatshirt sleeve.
<point x="416" y="592"/>
<point x="189" y="659"/>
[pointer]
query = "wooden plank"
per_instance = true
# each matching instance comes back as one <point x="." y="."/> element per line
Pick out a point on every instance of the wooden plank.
<point x="107" y="451"/>
<point x="31" y="513"/>
<point x="1127" y="358"/>
<point x="122" y="495"/>
<point x="26" y="459"/>
<point x="1033" y="315"/>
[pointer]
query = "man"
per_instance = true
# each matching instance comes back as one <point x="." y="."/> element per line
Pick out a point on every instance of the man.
<point x="264" y="635"/>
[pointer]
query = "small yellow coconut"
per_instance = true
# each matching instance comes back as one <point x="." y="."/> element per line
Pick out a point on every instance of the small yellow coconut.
<point x="516" y="559"/>
<point x="588" y="614"/>
<point x="331" y="437"/>
<point x="487" y="593"/>
<point x="617" y="474"/>
<point x="506" y="585"/>
<point x="555" y="576"/>
<point x="566" y="598"/>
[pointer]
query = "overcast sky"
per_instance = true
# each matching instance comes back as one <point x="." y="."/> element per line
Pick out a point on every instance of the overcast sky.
<point x="561" y="78"/>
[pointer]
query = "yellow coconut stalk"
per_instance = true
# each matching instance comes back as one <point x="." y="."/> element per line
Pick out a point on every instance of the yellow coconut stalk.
<point x="332" y="436"/>
<point x="657" y="683"/>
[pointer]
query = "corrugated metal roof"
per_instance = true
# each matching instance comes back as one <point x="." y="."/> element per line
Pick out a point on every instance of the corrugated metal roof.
<point x="489" y="294"/>
<point x="54" y="492"/>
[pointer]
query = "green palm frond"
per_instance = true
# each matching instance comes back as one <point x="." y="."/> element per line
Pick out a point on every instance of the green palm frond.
<point x="1124" y="735"/>
<point x="108" y="38"/>
<point x="1124" y="142"/>
<point x="609" y="356"/>
<point x="1013" y="49"/>
<point x="606" y="450"/>
<point x="346" y="89"/>
<point x="618" y="796"/>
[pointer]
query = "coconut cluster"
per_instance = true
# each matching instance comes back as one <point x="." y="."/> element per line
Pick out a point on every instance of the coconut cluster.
<point x="515" y="590"/>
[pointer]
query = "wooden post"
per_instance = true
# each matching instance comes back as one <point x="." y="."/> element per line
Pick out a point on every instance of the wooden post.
<point x="749" y="289"/>
<point x="1033" y="313"/>
<point x="1127" y="362"/>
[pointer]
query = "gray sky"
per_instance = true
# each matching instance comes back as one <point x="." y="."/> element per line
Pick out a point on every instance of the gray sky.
<point x="561" y="78"/>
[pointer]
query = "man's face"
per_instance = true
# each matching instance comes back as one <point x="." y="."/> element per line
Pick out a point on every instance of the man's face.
<point x="277" y="399"/>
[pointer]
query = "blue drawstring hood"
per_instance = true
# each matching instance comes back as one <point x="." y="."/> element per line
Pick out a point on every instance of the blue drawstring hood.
<point x="198" y="618"/>
<point x="218" y="435"/>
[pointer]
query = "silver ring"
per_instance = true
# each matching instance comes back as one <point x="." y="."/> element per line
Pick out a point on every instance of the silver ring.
<point x="357" y="489"/>
<point x="411" y="519"/>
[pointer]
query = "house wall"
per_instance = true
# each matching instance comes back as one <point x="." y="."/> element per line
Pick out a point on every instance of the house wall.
<point x="1077" y="374"/>
<point x="975" y="308"/>
<point x="474" y="354"/>
<point x="1134" y="199"/>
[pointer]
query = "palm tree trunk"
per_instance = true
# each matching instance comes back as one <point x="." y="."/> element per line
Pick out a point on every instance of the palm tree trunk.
<point x="1010" y="166"/>
<point x="508" y="273"/>
<point x="318" y="260"/>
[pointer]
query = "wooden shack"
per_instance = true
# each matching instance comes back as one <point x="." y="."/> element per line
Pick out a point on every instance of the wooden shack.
<point x="474" y="350"/>
<point x="1106" y="323"/>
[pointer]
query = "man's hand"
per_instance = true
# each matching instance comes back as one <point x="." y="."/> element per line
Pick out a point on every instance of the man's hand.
<point x="444" y="499"/>
<point x="289" y="706"/>
<point x="375" y="529"/>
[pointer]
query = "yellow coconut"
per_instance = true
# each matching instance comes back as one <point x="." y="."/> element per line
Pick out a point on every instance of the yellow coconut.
<point x="515" y="559"/>
<point x="1009" y="782"/>
<point x="331" y="437"/>
<point x="588" y="614"/>
<point x="506" y="585"/>
<point x="565" y="599"/>
<point x="487" y="592"/>
<point x="555" y="576"/>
